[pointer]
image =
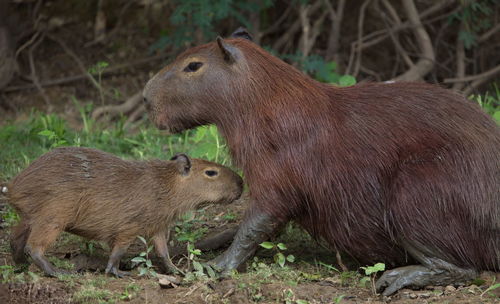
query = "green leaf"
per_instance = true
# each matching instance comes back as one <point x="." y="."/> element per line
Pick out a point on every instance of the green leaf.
<point x="290" y="258"/>
<point x="143" y="240"/>
<point x="267" y="245"/>
<point x="347" y="80"/>
<point x="149" y="263"/>
<point x="496" y="116"/>
<point x="197" y="266"/>
<point x="47" y="133"/>
<point x="138" y="260"/>
<point x="200" y="134"/>
<point x="281" y="246"/>
<point x="210" y="271"/>
<point x="142" y="271"/>
<point x="301" y="302"/>
<point x="280" y="259"/>
<point x="379" y="267"/>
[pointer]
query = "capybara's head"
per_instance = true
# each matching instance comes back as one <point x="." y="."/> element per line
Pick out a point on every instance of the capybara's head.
<point x="204" y="182"/>
<point x="199" y="82"/>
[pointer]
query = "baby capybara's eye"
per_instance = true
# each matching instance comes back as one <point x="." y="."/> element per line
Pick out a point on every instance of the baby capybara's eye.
<point x="211" y="173"/>
<point x="193" y="66"/>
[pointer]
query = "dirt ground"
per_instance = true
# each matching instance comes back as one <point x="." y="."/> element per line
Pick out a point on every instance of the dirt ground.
<point x="300" y="281"/>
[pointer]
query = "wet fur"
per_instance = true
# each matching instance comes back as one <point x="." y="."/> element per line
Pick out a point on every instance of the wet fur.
<point x="102" y="197"/>
<point x="368" y="168"/>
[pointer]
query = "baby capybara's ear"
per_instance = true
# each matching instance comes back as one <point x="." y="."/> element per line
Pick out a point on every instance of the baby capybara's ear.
<point x="183" y="163"/>
<point x="241" y="32"/>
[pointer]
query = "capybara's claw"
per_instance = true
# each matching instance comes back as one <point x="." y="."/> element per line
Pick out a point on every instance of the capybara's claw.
<point x="117" y="273"/>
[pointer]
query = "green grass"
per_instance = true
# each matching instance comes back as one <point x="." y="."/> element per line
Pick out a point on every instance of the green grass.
<point x="25" y="141"/>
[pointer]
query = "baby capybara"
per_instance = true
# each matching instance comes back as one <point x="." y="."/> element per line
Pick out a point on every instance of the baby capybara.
<point x="102" y="197"/>
<point x="403" y="173"/>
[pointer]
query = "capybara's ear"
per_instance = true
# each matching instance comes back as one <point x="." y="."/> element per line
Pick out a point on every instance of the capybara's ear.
<point x="241" y="32"/>
<point x="183" y="163"/>
<point x="228" y="52"/>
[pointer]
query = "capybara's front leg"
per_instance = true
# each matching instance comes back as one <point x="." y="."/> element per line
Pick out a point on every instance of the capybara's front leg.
<point x="433" y="271"/>
<point x="160" y="242"/>
<point x="257" y="227"/>
<point x="118" y="251"/>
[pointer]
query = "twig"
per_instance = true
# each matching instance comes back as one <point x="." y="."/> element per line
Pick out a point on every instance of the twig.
<point x="361" y="21"/>
<point x="489" y="33"/>
<point x="74" y="78"/>
<point x="125" y="107"/>
<point x="399" y="48"/>
<point x="336" y="16"/>
<point x="34" y="76"/>
<point x="460" y="59"/>
<point x="488" y="74"/>
<point x="79" y="63"/>
<point x="426" y="61"/>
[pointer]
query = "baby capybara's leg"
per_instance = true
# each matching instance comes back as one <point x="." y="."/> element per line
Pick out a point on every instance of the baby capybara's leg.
<point x="119" y="249"/>
<point x="160" y="242"/>
<point x="257" y="227"/>
<point x="18" y="238"/>
<point x="40" y="238"/>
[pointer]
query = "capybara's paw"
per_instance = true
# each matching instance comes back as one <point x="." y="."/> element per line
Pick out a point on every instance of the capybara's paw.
<point x="117" y="273"/>
<point x="415" y="276"/>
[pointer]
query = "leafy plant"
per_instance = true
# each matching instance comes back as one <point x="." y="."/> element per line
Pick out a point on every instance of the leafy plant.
<point x="98" y="70"/>
<point x="492" y="287"/>
<point x="371" y="273"/>
<point x="145" y="265"/>
<point x="279" y="257"/>
<point x="490" y="103"/>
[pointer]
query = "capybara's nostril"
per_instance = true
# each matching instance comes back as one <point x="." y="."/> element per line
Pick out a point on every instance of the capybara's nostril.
<point x="146" y="101"/>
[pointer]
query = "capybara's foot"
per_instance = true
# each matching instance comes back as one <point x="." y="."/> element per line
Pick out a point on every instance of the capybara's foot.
<point x="117" y="272"/>
<point x="418" y="276"/>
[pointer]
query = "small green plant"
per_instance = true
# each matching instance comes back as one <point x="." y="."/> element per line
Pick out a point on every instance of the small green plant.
<point x="145" y="265"/>
<point x="289" y="297"/>
<point x="9" y="215"/>
<point x="91" y="294"/>
<point x="371" y="273"/>
<point x="200" y="270"/>
<point x="129" y="292"/>
<point x="6" y="272"/>
<point x="490" y="103"/>
<point x="279" y="257"/>
<point x="61" y="263"/>
<point x="98" y="70"/>
<point x="492" y="287"/>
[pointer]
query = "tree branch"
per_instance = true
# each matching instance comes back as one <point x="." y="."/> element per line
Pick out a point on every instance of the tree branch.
<point x="426" y="61"/>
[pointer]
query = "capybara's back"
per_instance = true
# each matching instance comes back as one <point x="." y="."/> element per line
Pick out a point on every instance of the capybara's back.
<point x="102" y="197"/>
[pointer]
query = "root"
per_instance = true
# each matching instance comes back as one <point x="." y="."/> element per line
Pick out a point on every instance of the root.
<point x="112" y="111"/>
<point x="211" y="243"/>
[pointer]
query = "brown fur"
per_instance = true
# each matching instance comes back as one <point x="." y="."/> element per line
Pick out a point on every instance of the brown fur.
<point x="368" y="168"/>
<point x="102" y="197"/>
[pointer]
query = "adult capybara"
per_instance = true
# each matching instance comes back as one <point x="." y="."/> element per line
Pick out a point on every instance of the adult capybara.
<point x="102" y="197"/>
<point x="400" y="173"/>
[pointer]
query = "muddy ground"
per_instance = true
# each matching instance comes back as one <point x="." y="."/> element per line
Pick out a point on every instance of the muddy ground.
<point x="309" y="278"/>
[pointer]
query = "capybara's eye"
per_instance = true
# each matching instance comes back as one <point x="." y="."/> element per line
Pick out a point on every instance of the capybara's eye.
<point x="193" y="66"/>
<point x="211" y="173"/>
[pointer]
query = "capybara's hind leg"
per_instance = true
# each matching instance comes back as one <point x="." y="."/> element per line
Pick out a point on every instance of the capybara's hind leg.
<point x="18" y="238"/>
<point x="433" y="271"/>
<point x="117" y="252"/>
<point x="40" y="238"/>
